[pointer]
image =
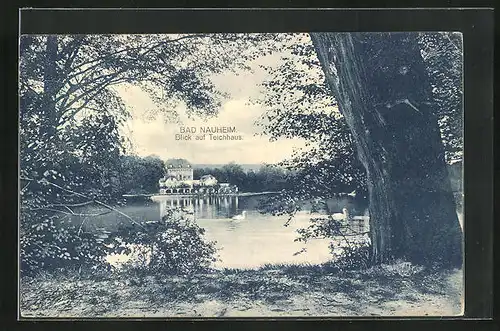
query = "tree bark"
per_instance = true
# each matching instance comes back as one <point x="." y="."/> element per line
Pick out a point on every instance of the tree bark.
<point x="380" y="83"/>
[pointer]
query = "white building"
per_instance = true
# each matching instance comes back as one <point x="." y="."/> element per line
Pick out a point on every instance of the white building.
<point x="208" y="180"/>
<point x="179" y="180"/>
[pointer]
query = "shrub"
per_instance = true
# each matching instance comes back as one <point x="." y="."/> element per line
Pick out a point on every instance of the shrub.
<point x="173" y="245"/>
<point x="47" y="246"/>
<point x="349" y="255"/>
<point x="349" y="249"/>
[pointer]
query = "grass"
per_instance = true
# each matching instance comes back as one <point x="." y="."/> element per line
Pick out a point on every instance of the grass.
<point x="272" y="290"/>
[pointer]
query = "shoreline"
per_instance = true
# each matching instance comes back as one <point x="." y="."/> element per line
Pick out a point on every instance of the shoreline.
<point x="183" y="195"/>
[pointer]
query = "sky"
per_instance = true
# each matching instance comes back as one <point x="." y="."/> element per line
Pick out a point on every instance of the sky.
<point x="158" y="136"/>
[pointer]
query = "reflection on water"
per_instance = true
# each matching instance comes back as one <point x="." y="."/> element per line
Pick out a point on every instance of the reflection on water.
<point x="223" y="207"/>
<point x="202" y="208"/>
<point x="252" y="242"/>
<point x="259" y="238"/>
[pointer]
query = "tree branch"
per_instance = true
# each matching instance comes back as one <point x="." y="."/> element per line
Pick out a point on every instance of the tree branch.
<point x="75" y="111"/>
<point x="69" y="209"/>
<point x="106" y="57"/>
<point x="73" y="205"/>
<point x="67" y="213"/>
<point x="99" y="203"/>
<point x="25" y="186"/>
<point x="98" y="88"/>
<point x="451" y="42"/>
<point x="86" y="197"/>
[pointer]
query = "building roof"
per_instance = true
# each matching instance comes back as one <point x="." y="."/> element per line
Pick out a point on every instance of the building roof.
<point x="177" y="163"/>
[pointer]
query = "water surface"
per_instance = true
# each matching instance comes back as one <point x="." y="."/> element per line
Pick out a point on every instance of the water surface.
<point x="257" y="240"/>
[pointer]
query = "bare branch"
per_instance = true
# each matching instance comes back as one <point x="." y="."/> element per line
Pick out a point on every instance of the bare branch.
<point x="86" y="197"/>
<point x="26" y="85"/>
<point x="26" y="178"/>
<point x="73" y="205"/>
<point x="47" y="209"/>
<point x="107" y="57"/>
<point x="80" y="228"/>
<point x="68" y="213"/>
<point x="73" y="111"/>
<point x="451" y="42"/>
<point x="69" y="209"/>
<point x="107" y="79"/>
<point x="98" y="202"/>
<point x="25" y="186"/>
<point x="354" y="234"/>
<point x="112" y="80"/>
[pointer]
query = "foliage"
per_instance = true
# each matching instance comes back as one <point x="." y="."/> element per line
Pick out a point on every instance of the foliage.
<point x="443" y="54"/>
<point x="268" y="178"/>
<point x="48" y="243"/>
<point x="298" y="104"/>
<point x="173" y="245"/>
<point x="68" y="104"/>
<point x="140" y="175"/>
<point x="84" y="157"/>
<point x="354" y="255"/>
<point x="71" y="114"/>
<point x="57" y="176"/>
<point x="350" y="248"/>
<point x="86" y="67"/>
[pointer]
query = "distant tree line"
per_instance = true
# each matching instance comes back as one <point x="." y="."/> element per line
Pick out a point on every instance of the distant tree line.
<point x="140" y="175"/>
<point x="267" y="178"/>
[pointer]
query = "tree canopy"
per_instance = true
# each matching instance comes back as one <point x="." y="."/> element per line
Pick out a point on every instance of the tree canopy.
<point x="72" y="148"/>
<point x="298" y="103"/>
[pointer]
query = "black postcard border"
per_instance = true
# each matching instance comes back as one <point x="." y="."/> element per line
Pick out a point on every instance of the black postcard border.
<point x="477" y="28"/>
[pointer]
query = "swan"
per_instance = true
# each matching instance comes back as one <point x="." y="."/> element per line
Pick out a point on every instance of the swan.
<point x="352" y="194"/>
<point x="242" y="216"/>
<point x="341" y="216"/>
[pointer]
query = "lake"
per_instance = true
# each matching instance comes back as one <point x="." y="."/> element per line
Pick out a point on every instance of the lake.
<point x="257" y="240"/>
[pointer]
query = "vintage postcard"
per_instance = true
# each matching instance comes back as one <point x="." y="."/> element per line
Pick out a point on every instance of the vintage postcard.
<point x="241" y="175"/>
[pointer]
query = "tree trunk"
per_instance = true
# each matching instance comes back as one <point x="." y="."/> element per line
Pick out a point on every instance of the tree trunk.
<point x="50" y="88"/>
<point x="382" y="89"/>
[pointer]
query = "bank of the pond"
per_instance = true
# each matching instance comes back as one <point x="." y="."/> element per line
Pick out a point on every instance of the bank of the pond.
<point x="280" y="290"/>
<point x="185" y="195"/>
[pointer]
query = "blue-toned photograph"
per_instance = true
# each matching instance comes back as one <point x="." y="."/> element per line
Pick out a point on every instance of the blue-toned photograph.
<point x="241" y="175"/>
